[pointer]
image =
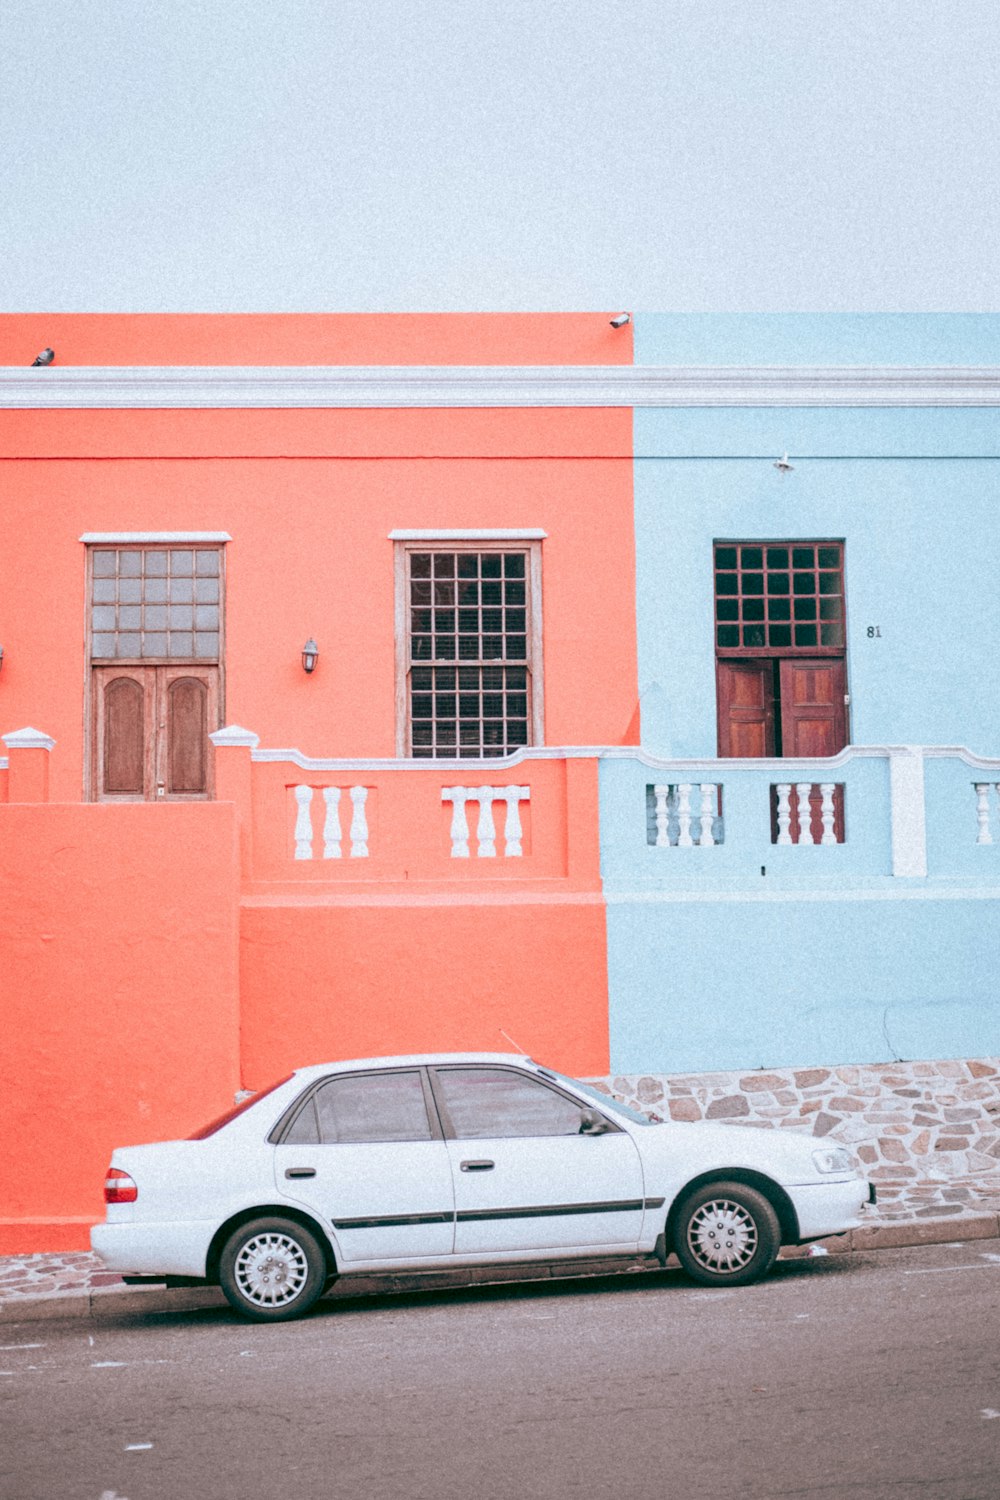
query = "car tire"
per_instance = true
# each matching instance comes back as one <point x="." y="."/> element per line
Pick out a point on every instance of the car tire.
<point x="727" y="1234"/>
<point x="272" y="1270"/>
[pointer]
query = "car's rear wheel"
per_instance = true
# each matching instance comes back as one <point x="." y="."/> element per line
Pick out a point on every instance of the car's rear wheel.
<point x="272" y="1269"/>
<point x="727" y="1234"/>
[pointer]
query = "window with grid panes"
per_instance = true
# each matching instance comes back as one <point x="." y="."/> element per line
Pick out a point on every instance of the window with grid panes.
<point x="469" y="637"/>
<point x="156" y="603"/>
<point x="779" y="598"/>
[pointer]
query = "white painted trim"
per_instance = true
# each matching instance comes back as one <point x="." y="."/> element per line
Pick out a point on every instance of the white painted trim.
<point x="891" y="891"/>
<point x="581" y="752"/>
<point x="497" y="386"/>
<point x="489" y="534"/>
<point x="28" y="739"/>
<point x="100" y="538"/>
<point x="4" y="763"/>
<point x="908" y="812"/>
<point x="235" y="735"/>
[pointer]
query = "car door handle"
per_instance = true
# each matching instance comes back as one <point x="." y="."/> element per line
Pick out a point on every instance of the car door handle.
<point x="300" y="1171"/>
<point x="478" y="1166"/>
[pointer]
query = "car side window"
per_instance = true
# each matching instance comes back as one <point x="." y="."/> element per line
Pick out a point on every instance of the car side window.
<point x="499" y="1102"/>
<point x="364" y="1107"/>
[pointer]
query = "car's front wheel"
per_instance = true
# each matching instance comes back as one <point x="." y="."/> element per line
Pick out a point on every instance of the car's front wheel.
<point x="727" y="1234"/>
<point x="272" y="1269"/>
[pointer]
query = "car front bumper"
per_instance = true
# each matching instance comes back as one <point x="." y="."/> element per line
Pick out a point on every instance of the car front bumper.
<point x="170" y="1248"/>
<point x="829" y="1207"/>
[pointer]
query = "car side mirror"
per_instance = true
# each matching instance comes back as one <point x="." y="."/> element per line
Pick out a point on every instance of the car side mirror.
<point x="591" y="1123"/>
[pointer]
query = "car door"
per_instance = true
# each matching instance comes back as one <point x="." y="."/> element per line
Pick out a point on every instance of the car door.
<point x="363" y="1150"/>
<point x="526" y="1180"/>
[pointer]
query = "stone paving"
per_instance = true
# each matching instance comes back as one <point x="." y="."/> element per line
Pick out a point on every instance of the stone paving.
<point x="928" y="1133"/>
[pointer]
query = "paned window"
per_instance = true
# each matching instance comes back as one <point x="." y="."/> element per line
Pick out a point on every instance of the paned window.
<point x="779" y="598"/>
<point x="156" y="603"/>
<point x="156" y="649"/>
<point x="471" y="651"/>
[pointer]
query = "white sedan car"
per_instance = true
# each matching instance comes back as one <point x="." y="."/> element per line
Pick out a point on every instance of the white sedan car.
<point x="472" y="1159"/>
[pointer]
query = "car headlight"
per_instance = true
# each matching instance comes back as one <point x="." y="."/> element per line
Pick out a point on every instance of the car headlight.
<point x="834" y="1159"/>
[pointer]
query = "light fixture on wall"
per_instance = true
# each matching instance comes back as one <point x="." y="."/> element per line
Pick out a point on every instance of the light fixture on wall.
<point x="45" y="358"/>
<point x="782" y="465"/>
<point x="1" y="658"/>
<point x="620" y="320"/>
<point x="310" y="655"/>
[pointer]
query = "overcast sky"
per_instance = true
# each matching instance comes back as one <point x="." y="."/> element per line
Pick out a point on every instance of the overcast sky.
<point x="421" y="155"/>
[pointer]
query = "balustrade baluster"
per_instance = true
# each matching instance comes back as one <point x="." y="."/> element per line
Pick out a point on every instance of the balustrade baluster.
<point x="803" y="790"/>
<point x="457" y="795"/>
<point x="331" y="824"/>
<point x="784" y="789"/>
<point x="359" y="823"/>
<point x="303" y="822"/>
<point x="984" y="834"/>
<point x="485" y="829"/>
<point x="662" y="795"/>
<point x="513" y="796"/>
<point x="827" y="789"/>
<point x="684" y="839"/>
<point x="708" y="790"/>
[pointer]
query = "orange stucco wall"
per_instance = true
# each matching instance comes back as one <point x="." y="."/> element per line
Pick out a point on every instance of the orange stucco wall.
<point x="316" y="338"/>
<point x="311" y="556"/>
<point x="120" y="1003"/>
<point x="371" y="979"/>
<point x="128" y="1015"/>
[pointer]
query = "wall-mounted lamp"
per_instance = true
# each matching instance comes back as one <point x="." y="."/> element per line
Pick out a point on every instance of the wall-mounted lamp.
<point x="782" y="465"/>
<point x="1" y="658"/>
<point x="310" y="655"/>
<point x="620" y="320"/>
<point x="45" y="358"/>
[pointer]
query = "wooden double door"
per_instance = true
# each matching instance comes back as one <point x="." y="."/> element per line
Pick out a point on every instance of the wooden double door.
<point x="150" y="732"/>
<point x="782" y="706"/>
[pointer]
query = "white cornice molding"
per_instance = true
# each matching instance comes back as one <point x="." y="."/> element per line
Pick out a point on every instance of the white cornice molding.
<point x="487" y="386"/>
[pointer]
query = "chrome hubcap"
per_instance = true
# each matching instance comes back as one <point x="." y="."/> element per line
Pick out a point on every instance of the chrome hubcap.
<point x="271" y="1270"/>
<point x="722" y="1236"/>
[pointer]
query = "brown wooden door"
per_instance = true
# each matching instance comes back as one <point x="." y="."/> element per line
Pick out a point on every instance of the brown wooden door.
<point x="151" y="728"/>
<point x="746" y="708"/>
<point x="813" y="710"/>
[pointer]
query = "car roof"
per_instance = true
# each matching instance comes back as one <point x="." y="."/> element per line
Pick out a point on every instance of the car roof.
<point x="412" y="1060"/>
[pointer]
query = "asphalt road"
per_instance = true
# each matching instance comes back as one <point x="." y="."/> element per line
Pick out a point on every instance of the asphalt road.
<point x="865" y="1375"/>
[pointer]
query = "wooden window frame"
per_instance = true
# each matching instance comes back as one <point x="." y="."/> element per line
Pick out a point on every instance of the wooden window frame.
<point x="792" y="649"/>
<point x="144" y="542"/>
<point x="531" y="547"/>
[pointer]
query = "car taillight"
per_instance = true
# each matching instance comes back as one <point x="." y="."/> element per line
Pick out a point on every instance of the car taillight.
<point x="119" y="1187"/>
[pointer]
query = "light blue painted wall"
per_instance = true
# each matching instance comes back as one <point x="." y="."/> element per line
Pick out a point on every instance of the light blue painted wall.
<point x="817" y="339"/>
<point x="700" y="984"/>
<point x="920" y="565"/>
<point x="834" y="960"/>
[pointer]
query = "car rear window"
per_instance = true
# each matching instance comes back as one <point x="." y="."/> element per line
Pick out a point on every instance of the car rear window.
<point x="237" y="1109"/>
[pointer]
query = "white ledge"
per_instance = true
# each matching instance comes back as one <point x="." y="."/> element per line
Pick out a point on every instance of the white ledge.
<point x="451" y="534"/>
<point x="773" y="765"/>
<point x="497" y="386"/>
<point x="235" y="735"/>
<point x="94" y="538"/>
<point x="28" y="739"/>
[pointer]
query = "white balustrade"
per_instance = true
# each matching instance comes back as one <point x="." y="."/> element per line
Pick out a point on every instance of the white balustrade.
<point x="486" y="836"/>
<point x="332" y="827"/>
<point x="675" y="820"/>
<point x="984" y="815"/>
<point x="829" y="794"/>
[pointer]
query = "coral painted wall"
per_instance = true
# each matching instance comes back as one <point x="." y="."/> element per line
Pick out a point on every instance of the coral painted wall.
<point x="120" y="1002"/>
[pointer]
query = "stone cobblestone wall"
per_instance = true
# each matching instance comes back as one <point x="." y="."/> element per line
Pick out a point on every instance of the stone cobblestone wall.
<point x="928" y="1133"/>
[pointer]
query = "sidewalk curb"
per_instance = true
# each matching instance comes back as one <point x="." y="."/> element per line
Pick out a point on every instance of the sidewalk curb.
<point x="111" y="1301"/>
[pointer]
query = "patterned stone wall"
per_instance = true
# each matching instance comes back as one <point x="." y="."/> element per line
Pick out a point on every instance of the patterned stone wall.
<point x="928" y="1133"/>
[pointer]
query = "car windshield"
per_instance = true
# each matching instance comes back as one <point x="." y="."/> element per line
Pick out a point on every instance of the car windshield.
<point x="236" y="1111"/>
<point x="605" y="1100"/>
